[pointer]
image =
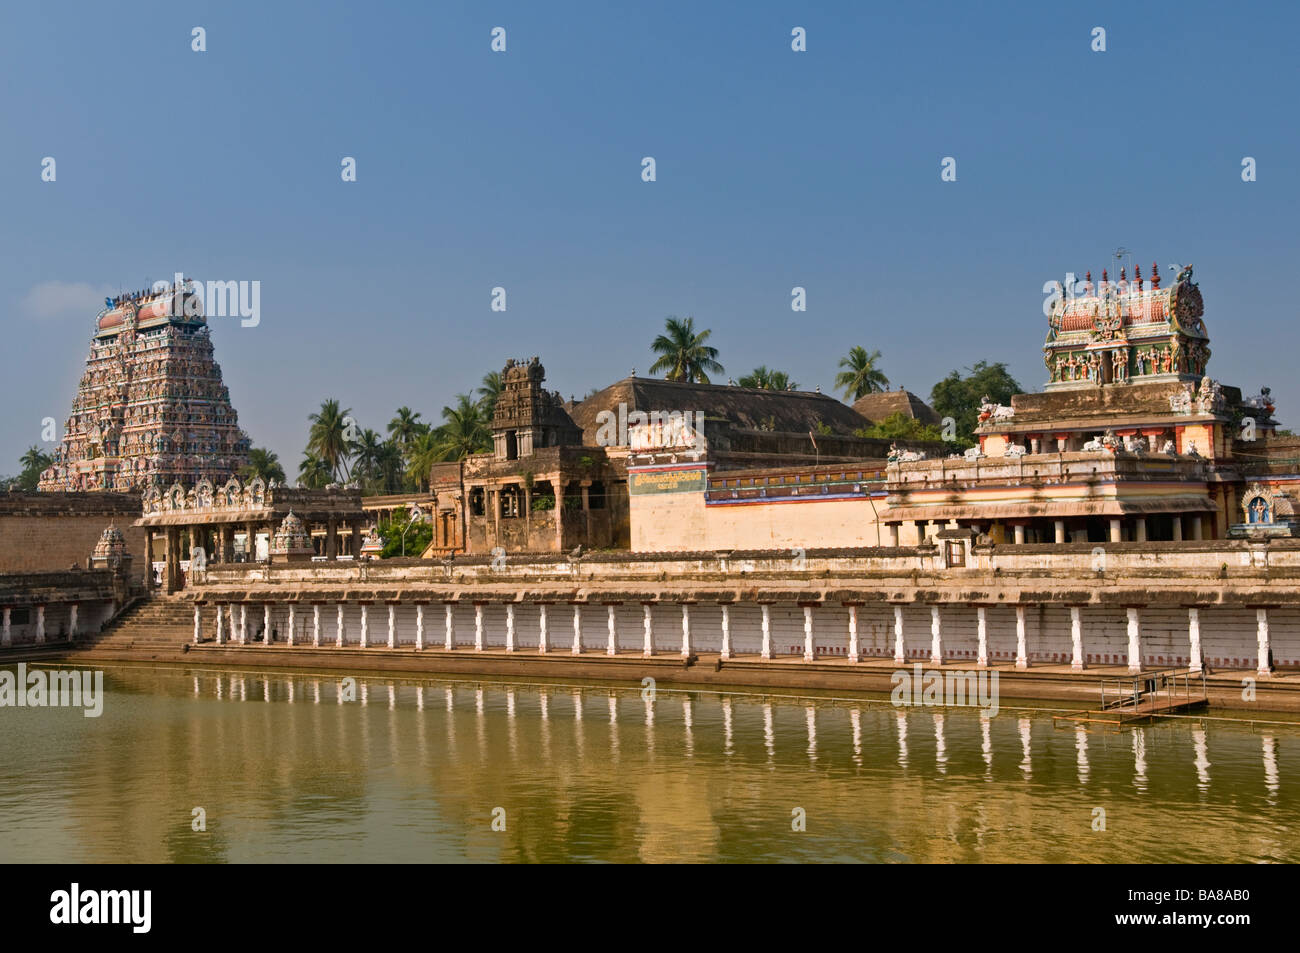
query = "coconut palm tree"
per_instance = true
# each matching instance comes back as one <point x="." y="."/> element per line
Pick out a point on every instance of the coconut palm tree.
<point x="425" y="450"/>
<point x="861" y="375"/>
<point x="765" y="379"/>
<point x="464" y="430"/>
<point x="489" y="392"/>
<point x="367" y="453"/>
<point x="262" y="463"/>
<point x="683" y="355"/>
<point x="328" y="438"/>
<point x="405" y="426"/>
<point x="314" y="473"/>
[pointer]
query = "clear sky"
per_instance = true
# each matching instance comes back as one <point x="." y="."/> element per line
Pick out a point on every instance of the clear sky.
<point x="522" y="169"/>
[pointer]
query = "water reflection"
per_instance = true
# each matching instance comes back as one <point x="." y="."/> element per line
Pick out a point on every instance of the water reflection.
<point x="682" y="776"/>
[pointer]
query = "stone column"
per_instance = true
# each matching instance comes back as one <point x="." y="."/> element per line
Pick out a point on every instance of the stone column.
<point x="365" y="625"/>
<point x="647" y="625"/>
<point x="982" y="637"/>
<point x="686" y="631"/>
<point x="72" y="623"/>
<point x="577" y="629"/>
<point x="1134" y="642"/>
<point x="1022" y="652"/>
<point x="1194" y="637"/>
<point x="1178" y="529"/>
<point x="243" y="625"/>
<point x="392" y="625"/>
<point x="1076" y="639"/>
<point x="891" y="534"/>
<point x="40" y="625"/>
<point x="510" y="626"/>
<point x="339" y="637"/>
<point x="198" y="623"/>
<point x="7" y="637"/>
<point x="1196" y="527"/>
<point x="449" y="643"/>
<point x="611" y="645"/>
<point x="1261" y="622"/>
<point x="1140" y="529"/>
<point x="853" y="634"/>
<point x="586" y="508"/>
<point x="936" y="637"/>
<point x="315" y="625"/>
<point x="230" y="619"/>
<point x="809" y="648"/>
<point x="1019" y="530"/>
<point x="292" y="622"/>
<point x="266" y="624"/>
<point x="1059" y="527"/>
<point x="332" y="537"/>
<point x="726" y="633"/>
<point x="148" y="559"/>
<point x="541" y="629"/>
<point x="900" y="654"/>
<point x="1116" y="531"/>
<point x="766" y="652"/>
<point x="221" y="634"/>
<point x="478" y="627"/>
<point x="355" y="543"/>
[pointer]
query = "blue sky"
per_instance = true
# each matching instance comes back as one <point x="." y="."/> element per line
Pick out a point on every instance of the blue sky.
<point x="522" y="170"/>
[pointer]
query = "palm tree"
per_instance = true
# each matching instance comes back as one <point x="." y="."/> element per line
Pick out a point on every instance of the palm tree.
<point x="328" y="438"/>
<point x="861" y="375"/>
<point x="366" y="452"/>
<point x="405" y="426"/>
<point x="390" y="466"/>
<point x="425" y="450"/>
<point x="262" y="463"/>
<point x="683" y="355"/>
<point x="464" y="430"/>
<point x="765" y="379"/>
<point x="34" y="459"/>
<point x="489" y="392"/>
<point x="314" y="473"/>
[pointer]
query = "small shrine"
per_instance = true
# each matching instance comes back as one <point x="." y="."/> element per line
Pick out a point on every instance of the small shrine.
<point x="372" y="546"/>
<point x="110" y="551"/>
<point x="1266" y="511"/>
<point x="291" y="542"/>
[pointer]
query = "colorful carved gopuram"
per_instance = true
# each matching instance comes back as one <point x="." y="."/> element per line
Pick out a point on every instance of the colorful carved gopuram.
<point x="151" y="409"/>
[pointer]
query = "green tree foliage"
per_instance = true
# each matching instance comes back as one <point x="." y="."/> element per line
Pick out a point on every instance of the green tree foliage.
<point x="683" y="353"/>
<point x="765" y="379"/>
<point x="328" y="437"/>
<point x="417" y="535"/>
<point x="860" y="376"/>
<point x="464" y="430"/>
<point x="899" y="426"/>
<point x="33" y="462"/>
<point x="405" y="426"/>
<point x="314" y="473"/>
<point x="262" y="463"/>
<point x="488" y="393"/>
<point x="960" y="397"/>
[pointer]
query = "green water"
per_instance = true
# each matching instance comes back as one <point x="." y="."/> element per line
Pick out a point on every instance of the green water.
<point x="413" y="770"/>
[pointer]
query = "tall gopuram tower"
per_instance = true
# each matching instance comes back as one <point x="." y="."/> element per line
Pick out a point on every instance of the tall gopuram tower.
<point x="1121" y="332"/>
<point x="151" y="409"/>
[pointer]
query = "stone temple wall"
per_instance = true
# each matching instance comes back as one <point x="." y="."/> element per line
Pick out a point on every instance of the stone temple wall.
<point x="53" y="530"/>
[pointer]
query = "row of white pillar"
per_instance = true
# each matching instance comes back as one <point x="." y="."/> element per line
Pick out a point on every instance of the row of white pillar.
<point x="6" y="635"/>
<point x="239" y="632"/>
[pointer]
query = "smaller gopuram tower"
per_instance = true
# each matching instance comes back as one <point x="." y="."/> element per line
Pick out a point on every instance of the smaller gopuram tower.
<point x="527" y="416"/>
<point x="151" y="409"/>
<point x="1122" y="332"/>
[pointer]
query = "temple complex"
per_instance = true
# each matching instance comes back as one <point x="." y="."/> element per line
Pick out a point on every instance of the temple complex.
<point x="151" y="409"/>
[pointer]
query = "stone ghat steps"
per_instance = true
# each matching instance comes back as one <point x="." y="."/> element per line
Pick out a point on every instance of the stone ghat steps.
<point x="160" y="623"/>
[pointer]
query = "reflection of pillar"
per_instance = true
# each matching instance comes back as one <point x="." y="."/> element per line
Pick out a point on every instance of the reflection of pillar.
<point x="899" y="654"/>
<point x="982" y="637"/>
<point x="853" y="634"/>
<point x="1194" y="637"/>
<point x="726" y="632"/>
<point x="767" y="631"/>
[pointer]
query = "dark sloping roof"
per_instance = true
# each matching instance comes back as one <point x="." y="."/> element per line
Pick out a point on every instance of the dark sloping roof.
<point x="876" y="407"/>
<point x="744" y="407"/>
